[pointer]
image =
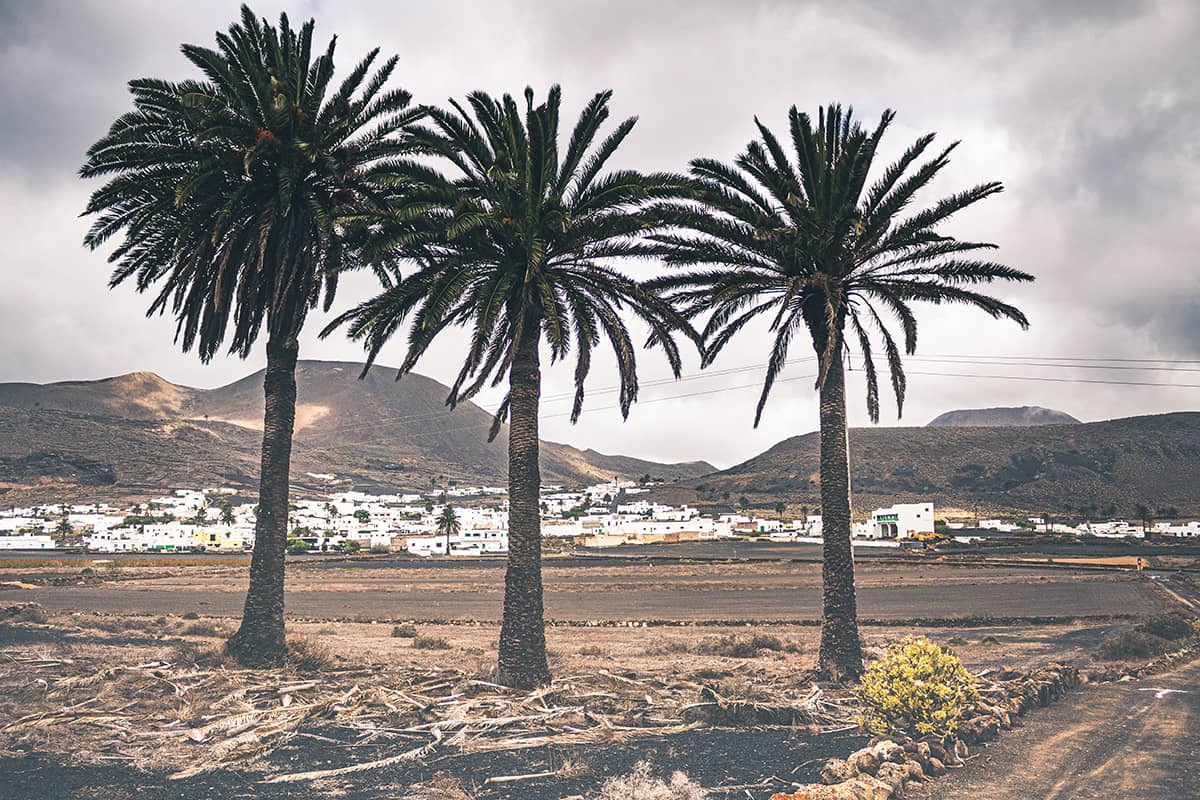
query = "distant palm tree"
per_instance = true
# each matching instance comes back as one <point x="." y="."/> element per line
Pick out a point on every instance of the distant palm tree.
<point x="1144" y="516"/>
<point x="823" y="253"/>
<point x="519" y="249"/>
<point x="234" y="193"/>
<point x="448" y="525"/>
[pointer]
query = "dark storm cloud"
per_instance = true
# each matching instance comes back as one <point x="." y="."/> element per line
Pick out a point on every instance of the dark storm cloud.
<point x="1086" y="109"/>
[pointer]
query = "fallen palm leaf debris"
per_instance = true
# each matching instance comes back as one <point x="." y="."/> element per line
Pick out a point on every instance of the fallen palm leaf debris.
<point x="159" y="714"/>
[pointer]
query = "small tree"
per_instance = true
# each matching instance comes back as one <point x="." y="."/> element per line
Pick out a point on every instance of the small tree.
<point x="362" y="515"/>
<point x="779" y="509"/>
<point x="225" y="505"/>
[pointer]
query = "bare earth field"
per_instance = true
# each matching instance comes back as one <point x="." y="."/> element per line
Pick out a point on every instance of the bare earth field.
<point x="123" y="685"/>
<point x="681" y="592"/>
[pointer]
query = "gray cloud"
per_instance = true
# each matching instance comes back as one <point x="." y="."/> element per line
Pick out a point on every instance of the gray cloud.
<point x="1086" y="110"/>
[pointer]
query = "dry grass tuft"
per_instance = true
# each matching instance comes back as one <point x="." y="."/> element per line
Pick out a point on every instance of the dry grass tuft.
<point x="309" y="655"/>
<point x="642" y="785"/>
<point x="404" y="632"/>
<point x="737" y="645"/>
<point x="430" y="643"/>
<point x="441" y="787"/>
<point x="206" y="629"/>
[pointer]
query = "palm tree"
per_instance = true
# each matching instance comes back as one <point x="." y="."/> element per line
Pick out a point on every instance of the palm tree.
<point x="1144" y="516"/>
<point x="448" y="525"/>
<point x="822" y="252"/>
<point x="233" y="193"/>
<point x="517" y="247"/>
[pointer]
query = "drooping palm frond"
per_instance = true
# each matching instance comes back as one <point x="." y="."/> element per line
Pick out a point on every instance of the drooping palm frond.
<point x="521" y="240"/>
<point x="806" y="239"/>
<point x="237" y="194"/>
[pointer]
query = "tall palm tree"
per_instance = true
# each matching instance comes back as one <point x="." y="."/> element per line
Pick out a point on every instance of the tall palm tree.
<point x="822" y="252"/>
<point x="448" y="525"/>
<point x="235" y="194"/>
<point x="517" y="246"/>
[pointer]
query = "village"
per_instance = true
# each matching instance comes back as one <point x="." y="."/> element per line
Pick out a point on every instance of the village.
<point x="216" y="520"/>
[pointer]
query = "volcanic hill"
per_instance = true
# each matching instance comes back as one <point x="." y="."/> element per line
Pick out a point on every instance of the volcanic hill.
<point x="139" y="432"/>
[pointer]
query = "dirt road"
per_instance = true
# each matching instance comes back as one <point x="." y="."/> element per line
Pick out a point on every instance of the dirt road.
<point x="1115" y="742"/>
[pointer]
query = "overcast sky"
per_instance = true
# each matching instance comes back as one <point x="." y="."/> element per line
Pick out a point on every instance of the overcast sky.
<point x="1087" y="110"/>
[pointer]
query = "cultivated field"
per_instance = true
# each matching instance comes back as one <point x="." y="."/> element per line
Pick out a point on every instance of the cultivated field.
<point x="585" y="591"/>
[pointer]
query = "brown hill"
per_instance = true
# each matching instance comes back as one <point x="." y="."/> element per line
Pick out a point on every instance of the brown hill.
<point x="141" y="432"/>
<point x="1150" y="460"/>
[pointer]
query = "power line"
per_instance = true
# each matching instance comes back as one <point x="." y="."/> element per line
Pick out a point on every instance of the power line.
<point x="1009" y="361"/>
<point x="1048" y="365"/>
<point x="1073" y="358"/>
<point x="428" y="415"/>
<point x="1036" y="378"/>
<point x="756" y="385"/>
<point x="1046" y="379"/>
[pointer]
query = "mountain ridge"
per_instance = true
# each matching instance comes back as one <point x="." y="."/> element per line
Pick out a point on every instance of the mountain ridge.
<point x="140" y="430"/>
<point x="1152" y="460"/>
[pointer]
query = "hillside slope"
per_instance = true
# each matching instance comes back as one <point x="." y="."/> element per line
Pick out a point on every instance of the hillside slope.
<point x="141" y="432"/>
<point x="1151" y="460"/>
<point x="1002" y="417"/>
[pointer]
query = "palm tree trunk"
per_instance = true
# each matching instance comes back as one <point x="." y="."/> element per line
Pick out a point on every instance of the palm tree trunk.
<point x="260" y="639"/>
<point x="522" y="663"/>
<point x="841" y="651"/>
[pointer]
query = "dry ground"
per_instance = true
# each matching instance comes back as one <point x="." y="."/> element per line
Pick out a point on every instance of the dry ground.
<point x="590" y="592"/>
<point x="123" y="685"/>
<point x="139" y="698"/>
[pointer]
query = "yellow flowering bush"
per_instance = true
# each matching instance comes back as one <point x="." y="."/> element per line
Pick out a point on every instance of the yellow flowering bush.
<point x="917" y="687"/>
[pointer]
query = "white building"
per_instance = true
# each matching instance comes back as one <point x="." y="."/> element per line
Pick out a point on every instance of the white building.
<point x="901" y="521"/>
<point x="27" y="542"/>
<point x="467" y="543"/>
<point x="1182" y="529"/>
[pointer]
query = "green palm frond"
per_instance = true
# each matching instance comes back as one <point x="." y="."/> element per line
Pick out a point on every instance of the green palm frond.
<point x="517" y="234"/>
<point x="240" y="196"/>
<point x="807" y="238"/>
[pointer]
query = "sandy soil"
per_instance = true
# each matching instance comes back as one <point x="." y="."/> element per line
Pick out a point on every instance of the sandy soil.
<point x="1121" y="740"/>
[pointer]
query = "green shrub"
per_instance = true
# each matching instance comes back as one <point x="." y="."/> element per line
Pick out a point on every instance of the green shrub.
<point x="350" y="547"/>
<point x="379" y="548"/>
<point x="430" y="643"/>
<point x="297" y="547"/>
<point x="1131" y="643"/>
<point x="404" y="632"/>
<point x="917" y="687"/>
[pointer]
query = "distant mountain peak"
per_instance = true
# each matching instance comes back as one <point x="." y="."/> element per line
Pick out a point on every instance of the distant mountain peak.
<point x="1004" y="417"/>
